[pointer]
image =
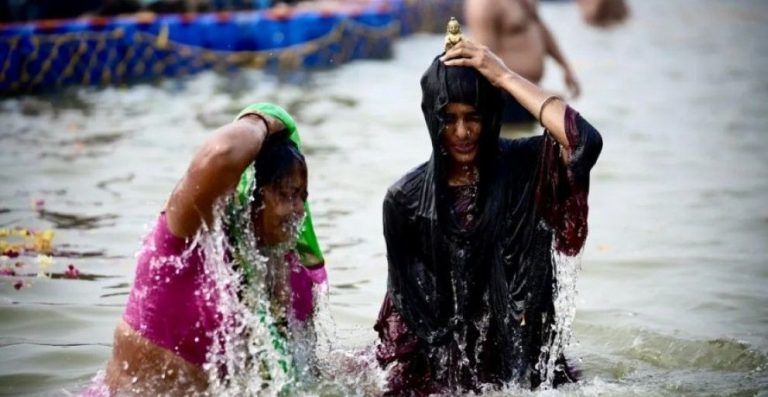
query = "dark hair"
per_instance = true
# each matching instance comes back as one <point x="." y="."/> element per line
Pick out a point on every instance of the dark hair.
<point x="277" y="160"/>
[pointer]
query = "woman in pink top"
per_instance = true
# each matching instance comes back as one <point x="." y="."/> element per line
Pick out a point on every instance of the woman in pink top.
<point x="172" y="319"/>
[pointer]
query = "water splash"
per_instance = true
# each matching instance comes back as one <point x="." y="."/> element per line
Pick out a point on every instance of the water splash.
<point x="248" y="356"/>
<point x="260" y="348"/>
<point x="566" y="273"/>
<point x="343" y="370"/>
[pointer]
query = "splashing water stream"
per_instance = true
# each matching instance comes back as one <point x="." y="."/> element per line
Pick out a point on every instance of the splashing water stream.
<point x="566" y="274"/>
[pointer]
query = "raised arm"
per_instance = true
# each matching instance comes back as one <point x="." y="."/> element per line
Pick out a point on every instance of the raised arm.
<point x="563" y="185"/>
<point x="215" y="170"/>
<point x="551" y="116"/>
<point x="552" y="48"/>
<point x="554" y="51"/>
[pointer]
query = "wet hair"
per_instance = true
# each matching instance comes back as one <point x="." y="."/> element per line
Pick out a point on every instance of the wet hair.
<point x="278" y="158"/>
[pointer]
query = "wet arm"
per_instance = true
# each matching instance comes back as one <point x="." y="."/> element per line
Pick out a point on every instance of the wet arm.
<point x="470" y="54"/>
<point x="532" y="97"/>
<point x="553" y="49"/>
<point x="215" y="169"/>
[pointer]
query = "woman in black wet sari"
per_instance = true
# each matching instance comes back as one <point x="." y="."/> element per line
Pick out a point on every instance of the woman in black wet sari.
<point x="472" y="234"/>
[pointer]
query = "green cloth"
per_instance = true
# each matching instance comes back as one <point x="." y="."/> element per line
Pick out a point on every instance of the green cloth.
<point x="306" y="245"/>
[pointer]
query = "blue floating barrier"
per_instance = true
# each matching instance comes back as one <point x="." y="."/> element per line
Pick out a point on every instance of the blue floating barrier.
<point x="247" y="26"/>
<point x="219" y="33"/>
<point x="306" y="27"/>
<point x="124" y="49"/>
<point x="182" y="30"/>
<point x="273" y="33"/>
<point x="19" y="41"/>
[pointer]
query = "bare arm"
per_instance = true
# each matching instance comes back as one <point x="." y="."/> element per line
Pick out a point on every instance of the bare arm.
<point x="553" y="49"/>
<point x="550" y="43"/>
<point x="528" y="94"/>
<point x="215" y="170"/>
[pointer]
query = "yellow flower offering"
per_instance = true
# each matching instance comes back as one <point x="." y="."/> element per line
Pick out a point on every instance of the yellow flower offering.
<point x="16" y="241"/>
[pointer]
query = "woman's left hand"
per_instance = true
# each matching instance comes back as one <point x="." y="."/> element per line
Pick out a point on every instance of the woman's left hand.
<point x="478" y="56"/>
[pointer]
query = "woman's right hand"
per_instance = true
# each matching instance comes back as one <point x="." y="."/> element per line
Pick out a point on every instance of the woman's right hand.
<point x="215" y="170"/>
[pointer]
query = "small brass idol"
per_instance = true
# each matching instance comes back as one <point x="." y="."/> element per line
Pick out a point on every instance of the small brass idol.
<point x="452" y="34"/>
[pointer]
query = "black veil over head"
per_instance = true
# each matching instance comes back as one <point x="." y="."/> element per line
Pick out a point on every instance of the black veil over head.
<point x="441" y="85"/>
<point x="466" y="276"/>
<point x="479" y="295"/>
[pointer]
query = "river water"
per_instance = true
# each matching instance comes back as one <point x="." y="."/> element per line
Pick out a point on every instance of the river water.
<point x="672" y="296"/>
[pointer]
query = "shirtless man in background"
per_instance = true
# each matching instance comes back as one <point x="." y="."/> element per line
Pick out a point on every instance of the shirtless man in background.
<point x="513" y="30"/>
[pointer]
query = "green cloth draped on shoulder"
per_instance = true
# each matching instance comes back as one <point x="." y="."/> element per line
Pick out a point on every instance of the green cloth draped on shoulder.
<point x="307" y="246"/>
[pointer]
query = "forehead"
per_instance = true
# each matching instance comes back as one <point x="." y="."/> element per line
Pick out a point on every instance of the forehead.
<point x="296" y="178"/>
<point x="458" y="108"/>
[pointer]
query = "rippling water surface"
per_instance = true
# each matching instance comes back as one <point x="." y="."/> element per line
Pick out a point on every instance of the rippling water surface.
<point x="672" y="295"/>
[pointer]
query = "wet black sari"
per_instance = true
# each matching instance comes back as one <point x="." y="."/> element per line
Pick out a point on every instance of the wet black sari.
<point x="470" y="288"/>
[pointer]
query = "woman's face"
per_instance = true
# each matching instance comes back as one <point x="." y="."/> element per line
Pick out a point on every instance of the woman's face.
<point x="461" y="138"/>
<point x="277" y="221"/>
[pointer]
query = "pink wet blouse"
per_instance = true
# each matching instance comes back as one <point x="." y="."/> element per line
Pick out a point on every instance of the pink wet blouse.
<point x="170" y="303"/>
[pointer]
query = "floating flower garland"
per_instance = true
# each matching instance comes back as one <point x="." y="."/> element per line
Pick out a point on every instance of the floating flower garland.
<point x="31" y="240"/>
<point x="18" y="241"/>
